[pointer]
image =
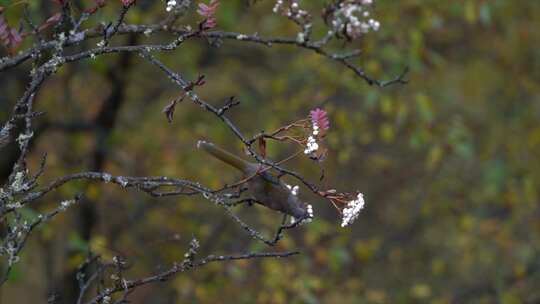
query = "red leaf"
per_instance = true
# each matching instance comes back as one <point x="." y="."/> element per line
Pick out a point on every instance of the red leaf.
<point x="127" y="3"/>
<point x="50" y="22"/>
<point x="9" y="37"/>
<point x="262" y="146"/>
<point x="169" y="109"/>
<point x="209" y="10"/>
<point x="320" y="119"/>
<point x="209" y="23"/>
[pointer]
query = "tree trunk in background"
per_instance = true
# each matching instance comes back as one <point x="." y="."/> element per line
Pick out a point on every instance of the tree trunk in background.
<point x="104" y="123"/>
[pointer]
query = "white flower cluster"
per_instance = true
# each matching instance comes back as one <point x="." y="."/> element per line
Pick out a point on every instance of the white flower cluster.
<point x="293" y="11"/>
<point x="352" y="210"/>
<point x="353" y="18"/>
<point x="178" y="7"/>
<point x="310" y="211"/>
<point x="307" y="220"/>
<point x="170" y="5"/>
<point x="294" y="190"/>
<point x="312" y="144"/>
<point x="278" y="6"/>
<point x="290" y="11"/>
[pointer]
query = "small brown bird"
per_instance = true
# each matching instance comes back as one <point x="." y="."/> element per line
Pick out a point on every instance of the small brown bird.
<point x="266" y="189"/>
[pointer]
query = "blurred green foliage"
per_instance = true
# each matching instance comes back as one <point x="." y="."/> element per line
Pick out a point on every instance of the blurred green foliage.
<point x="449" y="163"/>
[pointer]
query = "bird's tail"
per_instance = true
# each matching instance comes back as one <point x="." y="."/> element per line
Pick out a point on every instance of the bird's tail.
<point x="224" y="156"/>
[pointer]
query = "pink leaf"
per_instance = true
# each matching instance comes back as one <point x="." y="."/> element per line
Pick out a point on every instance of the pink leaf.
<point x="50" y="21"/>
<point x="9" y="37"/>
<point x="127" y="3"/>
<point x="209" y="10"/>
<point x="319" y="118"/>
<point x="210" y="23"/>
<point x="54" y="18"/>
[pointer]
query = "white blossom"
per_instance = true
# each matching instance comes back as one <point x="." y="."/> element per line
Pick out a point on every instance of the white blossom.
<point x="315" y="130"/>
<point x="311" y="146"/>
<point x="170" y="5"/>
<point x="277" y="6"/>
<point x="307" y="220"/>
<point x="310" y="211"/>
<point x="294" y="12"/>
<point x="294" y="190"/>
<point x="353" y="19"/>
<point x="352" y="210"/>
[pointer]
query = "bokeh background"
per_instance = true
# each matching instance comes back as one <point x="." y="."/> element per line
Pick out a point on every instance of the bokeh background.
<point x="449" y="163"/>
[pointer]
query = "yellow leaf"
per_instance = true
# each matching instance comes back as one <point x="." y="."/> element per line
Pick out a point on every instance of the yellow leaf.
<point x="470" y="11"/>
<point x="421" y="291"/>
<point x="387" y="132"/>
<point x="435" y="155"/>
